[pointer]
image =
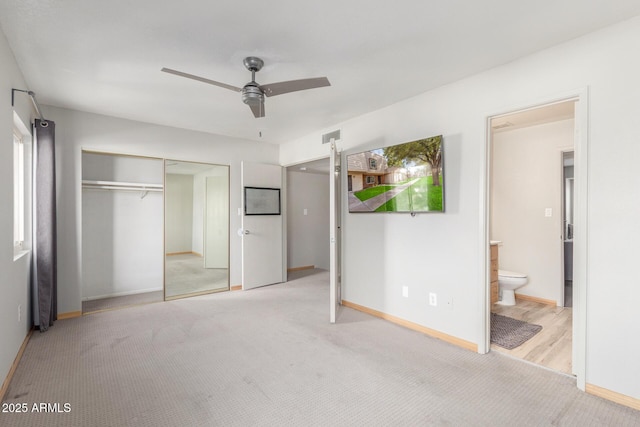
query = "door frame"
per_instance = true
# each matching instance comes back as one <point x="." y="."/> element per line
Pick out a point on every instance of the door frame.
<point x="335" y="222"/>
<point x="580" y="278"/>
<point x="337" y="245"/>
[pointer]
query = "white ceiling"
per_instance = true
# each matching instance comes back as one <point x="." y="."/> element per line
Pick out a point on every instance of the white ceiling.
<point x="105" y="56"/>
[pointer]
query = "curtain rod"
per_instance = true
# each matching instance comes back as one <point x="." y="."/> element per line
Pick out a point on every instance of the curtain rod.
<point x="32" y="95"/>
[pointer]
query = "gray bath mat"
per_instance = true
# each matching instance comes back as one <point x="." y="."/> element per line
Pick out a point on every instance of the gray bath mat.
<point x="510" y="333"/>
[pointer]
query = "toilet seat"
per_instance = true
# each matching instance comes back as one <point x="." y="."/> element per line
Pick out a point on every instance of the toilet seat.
<point x="507" y="273"/>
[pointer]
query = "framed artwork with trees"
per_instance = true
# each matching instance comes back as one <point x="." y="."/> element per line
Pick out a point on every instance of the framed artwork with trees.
<point x="407" y="177"/>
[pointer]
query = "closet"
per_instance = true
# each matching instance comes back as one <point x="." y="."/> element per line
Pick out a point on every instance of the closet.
<point x="122" y="228"/>
<point x="152" y="229"/>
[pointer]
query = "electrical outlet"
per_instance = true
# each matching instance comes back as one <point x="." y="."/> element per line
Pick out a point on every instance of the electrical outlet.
<point x="433" y="299"/>
<point x="448" y="303"/>
<point x="405" y="291"/>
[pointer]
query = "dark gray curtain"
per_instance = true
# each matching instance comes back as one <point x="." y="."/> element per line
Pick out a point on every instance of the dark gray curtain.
<point x="45" y="254"/>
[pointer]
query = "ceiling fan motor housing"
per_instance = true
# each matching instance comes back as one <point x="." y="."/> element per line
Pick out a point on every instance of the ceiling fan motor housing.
<point x="252" y="94"/>
<point x="253" y="63"/>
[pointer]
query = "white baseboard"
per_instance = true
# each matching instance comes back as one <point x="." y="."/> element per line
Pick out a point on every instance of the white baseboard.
<point x="121" y="294"/>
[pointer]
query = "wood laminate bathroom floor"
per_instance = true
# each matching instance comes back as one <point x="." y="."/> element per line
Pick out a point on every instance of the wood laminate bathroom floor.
<point x="551" y="347"/>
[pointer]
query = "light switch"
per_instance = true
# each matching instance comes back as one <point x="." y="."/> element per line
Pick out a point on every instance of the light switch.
<point x="305" y="211"/>
<point x="547" y="212"/>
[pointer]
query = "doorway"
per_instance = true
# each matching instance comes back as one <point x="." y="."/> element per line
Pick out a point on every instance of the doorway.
<point x="526" y="221"/>
<point x="307" y="217"/>
<point x="307" y="186"/>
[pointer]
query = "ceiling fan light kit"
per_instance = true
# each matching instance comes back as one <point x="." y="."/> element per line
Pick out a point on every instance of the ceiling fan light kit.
<point x="253" y="93"/>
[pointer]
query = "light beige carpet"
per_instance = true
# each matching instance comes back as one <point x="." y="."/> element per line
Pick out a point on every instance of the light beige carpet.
<point x="269" y="357"/>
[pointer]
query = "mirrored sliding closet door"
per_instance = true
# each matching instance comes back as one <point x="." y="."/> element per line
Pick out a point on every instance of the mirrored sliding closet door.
<point x="196" y="228"/>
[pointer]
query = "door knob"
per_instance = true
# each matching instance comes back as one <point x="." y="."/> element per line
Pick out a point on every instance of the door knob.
<point x="246" y="232"/>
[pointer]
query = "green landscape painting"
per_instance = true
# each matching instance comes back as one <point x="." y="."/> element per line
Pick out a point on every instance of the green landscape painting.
<point x="401" y="178"/>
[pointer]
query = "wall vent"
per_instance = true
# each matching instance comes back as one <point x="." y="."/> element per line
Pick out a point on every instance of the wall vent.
<point x="326" y="138"/>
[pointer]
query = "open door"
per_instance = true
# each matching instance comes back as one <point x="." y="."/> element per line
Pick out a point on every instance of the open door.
<point x="334" y="232"/>
<point x="262" y="246"/>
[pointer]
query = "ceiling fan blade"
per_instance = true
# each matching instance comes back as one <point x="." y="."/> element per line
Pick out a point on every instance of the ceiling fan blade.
<point x="201" y="79"/>
<point x="280" y="88"/>
<point x="257" y="109"/>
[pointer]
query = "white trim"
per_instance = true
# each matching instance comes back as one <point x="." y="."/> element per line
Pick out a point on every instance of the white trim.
<point x="580" y="268"/>
<point x="19" y="254"/>
<point x="581" y="239"/>
<point x="284" y="202"/>
<point x="333" y="238"/>
<point x="484" y="343"/>
<point x="20" y="196"/>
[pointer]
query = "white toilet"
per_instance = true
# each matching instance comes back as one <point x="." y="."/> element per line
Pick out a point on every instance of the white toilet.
<point x="508" y="282"/>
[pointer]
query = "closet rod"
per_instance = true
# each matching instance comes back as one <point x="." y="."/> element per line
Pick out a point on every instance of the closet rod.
<point x="117" y="187"/>
<point x="122" y="186"/>
<point x="137" y="185"/>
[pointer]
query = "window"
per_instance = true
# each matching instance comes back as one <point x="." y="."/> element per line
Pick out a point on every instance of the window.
<point x="371" y="179"/>
<point x="373" y="164"/>
<point x="18" y="190"/>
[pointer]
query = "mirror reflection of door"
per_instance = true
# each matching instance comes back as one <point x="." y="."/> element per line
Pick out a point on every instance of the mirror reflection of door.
<point x="196" y="228"/>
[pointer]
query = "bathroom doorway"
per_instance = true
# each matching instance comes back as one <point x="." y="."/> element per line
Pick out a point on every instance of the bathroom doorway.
<point x="527" y="223"/>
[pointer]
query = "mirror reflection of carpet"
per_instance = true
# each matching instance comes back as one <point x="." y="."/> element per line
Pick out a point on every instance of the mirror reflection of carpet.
<point x="185" y="274"/>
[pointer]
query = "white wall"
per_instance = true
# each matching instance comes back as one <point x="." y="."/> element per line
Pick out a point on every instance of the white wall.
<point x="76" y="130"/>
<point x="307" y="235"/>
<point x="443" y="253"/>
<point x="15" y="274"/>
<point x="527" y="179"/>
<point x="122" y="232"/>
<point x="179" y="194"/>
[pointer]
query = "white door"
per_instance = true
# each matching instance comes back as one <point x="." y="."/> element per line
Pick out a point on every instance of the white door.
<point x="262" y="260"/>
<point x="216" y="237"/>
<point x="334" y="232"/>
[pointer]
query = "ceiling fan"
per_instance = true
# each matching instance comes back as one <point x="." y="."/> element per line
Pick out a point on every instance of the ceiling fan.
<point x="253" y="93"/>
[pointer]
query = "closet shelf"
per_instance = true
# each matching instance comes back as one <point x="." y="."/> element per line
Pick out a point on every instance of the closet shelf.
<point x="123" y="186"/>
